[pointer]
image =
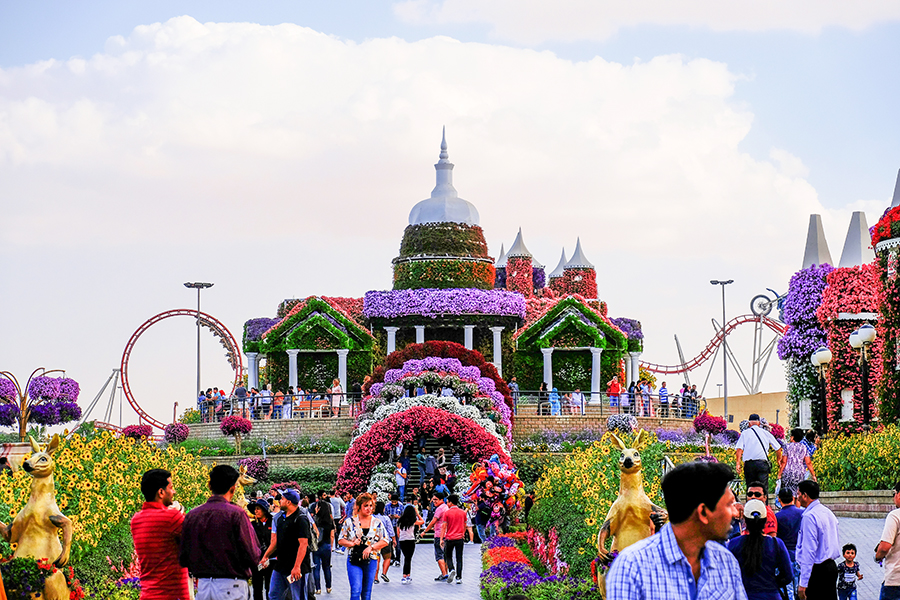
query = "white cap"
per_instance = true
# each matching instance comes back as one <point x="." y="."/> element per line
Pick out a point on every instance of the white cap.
<point x="754" y="509"/>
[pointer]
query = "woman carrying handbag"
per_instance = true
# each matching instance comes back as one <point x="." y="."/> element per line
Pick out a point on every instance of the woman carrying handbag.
<point x="364" y="537"/>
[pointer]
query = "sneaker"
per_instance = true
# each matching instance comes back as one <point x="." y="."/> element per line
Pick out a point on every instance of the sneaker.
<point x="438" y="578"/>
<point x="328" y="590"/>
<point x="376" y="580"/>
<point x="451" y="576"/>
<point x="459" y="581"/>
<point x="318" y="592"/>
<point x="385" y="577"/>
<point x="404" y="581"/>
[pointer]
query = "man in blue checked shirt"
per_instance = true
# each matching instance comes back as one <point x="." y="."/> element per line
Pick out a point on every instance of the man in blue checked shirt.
<point x="684" y="560"/>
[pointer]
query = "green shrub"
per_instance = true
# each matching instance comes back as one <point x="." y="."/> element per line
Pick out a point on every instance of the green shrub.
<point x="92" y="567"/>
<point x="860" y="461"/>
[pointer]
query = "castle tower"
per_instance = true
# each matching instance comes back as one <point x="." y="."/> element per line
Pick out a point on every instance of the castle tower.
<point x="519" y="274"/>
<point x="858" y="244"/>
<point x="443" y="246"/>
<point x="580" y="275"/>
<point x="558" y="276"/>
<point x="816" y="252"/>
<point x="500" y="270"/>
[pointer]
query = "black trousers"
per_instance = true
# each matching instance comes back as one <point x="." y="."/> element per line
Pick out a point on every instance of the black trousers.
<point x="823" y="581"/>
<point x="757" y="470"/>
<point x="451" y="546"/>
<point x="408" y="548"/>
<point x="261" y="579"/>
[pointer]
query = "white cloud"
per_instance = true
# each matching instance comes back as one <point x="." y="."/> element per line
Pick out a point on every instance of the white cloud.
<point x="281" y="162"/>
<point x="535" y="21"/>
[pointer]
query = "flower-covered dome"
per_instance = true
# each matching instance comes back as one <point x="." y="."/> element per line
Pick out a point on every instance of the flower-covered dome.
<point x="445" y="205"/>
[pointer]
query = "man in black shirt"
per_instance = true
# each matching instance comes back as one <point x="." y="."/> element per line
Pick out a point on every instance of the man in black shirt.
<point x="290" y="536"/>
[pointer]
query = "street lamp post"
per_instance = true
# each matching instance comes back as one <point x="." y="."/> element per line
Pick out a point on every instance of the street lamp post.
<point x="724" y="346"/>
<point x="861" y="340"/>
<point x="820" y="359"/>
<point x="197" y="285"/>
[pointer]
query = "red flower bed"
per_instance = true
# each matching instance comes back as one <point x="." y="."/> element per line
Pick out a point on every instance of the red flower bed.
<point x="405" y="427"/>
<point x="495" y="556"/>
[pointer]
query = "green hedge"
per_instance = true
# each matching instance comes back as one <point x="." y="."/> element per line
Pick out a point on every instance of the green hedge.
<point x="92" y="568"/>
<point x="443" y="274"/>
<point x="443" y="239"/>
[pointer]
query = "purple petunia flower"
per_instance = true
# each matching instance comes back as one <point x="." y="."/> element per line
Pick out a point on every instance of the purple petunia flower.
<point x="435" y="303"/>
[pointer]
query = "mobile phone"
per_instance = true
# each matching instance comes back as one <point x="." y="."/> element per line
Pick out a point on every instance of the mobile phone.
<point x="291" y="579"/>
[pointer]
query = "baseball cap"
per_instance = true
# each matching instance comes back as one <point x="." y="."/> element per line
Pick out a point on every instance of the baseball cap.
<point x="754" y="509"/>
<point x="291" y="496"/>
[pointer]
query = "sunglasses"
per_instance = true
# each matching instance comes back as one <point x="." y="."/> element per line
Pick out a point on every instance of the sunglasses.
<point x="754" y="494"/>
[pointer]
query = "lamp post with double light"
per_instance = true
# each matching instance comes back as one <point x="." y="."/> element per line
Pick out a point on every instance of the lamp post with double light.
<point x="724" y="347"/>
<point x="198" y="285"/>
<point x="820" y="360"/>
<point x="862" y="340"/>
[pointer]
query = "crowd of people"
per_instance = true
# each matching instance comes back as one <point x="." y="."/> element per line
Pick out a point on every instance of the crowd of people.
<point x="286" y="550"/>
<point x="716" y="547"/>
<point x="214" y="404"/>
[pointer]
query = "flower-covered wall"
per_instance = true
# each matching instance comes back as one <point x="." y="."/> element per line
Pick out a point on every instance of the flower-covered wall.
<point x="850" y="290"/>
<point x="804" y="336"/>
<point x="886" y="239"/>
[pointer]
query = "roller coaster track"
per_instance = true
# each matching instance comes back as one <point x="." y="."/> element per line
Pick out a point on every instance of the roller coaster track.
<point x="713" y="347"/>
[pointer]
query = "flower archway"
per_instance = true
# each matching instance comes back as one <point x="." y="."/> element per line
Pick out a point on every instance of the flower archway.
<point x="405" y="427"/>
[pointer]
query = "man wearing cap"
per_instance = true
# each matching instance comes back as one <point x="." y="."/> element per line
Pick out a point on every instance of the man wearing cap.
<point x="290" y="538"/>
<point x="218" y="545"/>
<point x="752" y="456"/>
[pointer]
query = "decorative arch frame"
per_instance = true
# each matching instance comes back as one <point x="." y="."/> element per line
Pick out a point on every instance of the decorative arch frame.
<point x="405" y="427"/>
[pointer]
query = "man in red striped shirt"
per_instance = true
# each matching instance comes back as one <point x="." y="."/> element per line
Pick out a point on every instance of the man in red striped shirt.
<point x="156" y="530"/>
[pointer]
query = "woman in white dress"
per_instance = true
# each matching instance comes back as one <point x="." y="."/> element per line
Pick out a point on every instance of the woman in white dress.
<point x="337" y="395"/>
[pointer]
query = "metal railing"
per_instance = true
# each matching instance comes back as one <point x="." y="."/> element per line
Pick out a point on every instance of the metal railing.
<point x="318" y="405"/>
<point x="673" y="406"/>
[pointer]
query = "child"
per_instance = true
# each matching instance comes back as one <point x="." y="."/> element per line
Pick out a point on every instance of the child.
<point x="848" y="573"/>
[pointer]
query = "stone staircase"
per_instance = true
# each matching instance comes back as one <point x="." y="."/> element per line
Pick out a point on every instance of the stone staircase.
<point x="869" y="504"/>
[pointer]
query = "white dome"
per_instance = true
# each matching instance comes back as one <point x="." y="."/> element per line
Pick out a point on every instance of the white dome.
<point x="445" y="205"/>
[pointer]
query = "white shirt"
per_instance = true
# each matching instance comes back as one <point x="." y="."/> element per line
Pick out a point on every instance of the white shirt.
<point x="577" y="398"/>
<point x="891" y="535"/>
<point x="756" y="448"/>
<point x="818" y="540"/>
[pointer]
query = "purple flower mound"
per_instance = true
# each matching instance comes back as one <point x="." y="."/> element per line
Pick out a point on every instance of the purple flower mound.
<point x="499" y="542"/>
<point x="44" y="388"/>
<point x="512" y="574"/>
<point x="804" y="296"/>
<point x="630" y="327"/>
<point x="670" y="435"/>
<point x="9" y="415"/>
<point x="44" y="413"/>
<point x="7" y="389"/>
<point x="254" y="328"/>
<point x="67" y="411"/>
<point x="175" y="433"/>
<point x="68" y="391"/>
<point x="257" y="468"/>
<point x="435" y="303"/>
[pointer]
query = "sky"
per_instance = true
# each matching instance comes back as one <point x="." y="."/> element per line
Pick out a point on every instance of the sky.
<point x="276" y="149"/>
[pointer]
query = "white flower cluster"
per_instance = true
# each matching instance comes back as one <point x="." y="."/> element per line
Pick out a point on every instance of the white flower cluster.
<point x="463" y="483"/>
<point x="382" y="482"/>
<point x="446" y="403"/>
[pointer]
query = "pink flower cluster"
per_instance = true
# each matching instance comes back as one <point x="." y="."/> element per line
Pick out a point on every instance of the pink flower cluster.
<point x="546" y="549"/>
<point x="137" y="431"/>
<point x="706" y="423"/>
<point x="234" y="424"/>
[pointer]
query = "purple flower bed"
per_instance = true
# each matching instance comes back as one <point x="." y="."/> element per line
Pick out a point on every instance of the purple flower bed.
<point x="254" y="328"/>
<point x="44" y="413"/>
<point x="499" y="541"/>
<point x="804" y="296"/>
<point x="434" y="303"/>
<point x="630" y="327"/>
<point x="9" y="415"/>
<point x="7" y="389"/>
<point x="45" y="388"/>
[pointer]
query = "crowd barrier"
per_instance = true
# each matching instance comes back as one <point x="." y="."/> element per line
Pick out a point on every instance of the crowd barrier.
<point x="673" y="406"/>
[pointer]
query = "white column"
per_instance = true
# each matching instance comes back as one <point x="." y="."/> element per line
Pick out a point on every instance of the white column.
<point x="252" y="369"/>
<point x="292" y="368"/>
<point x="468" y="335"/>
<point x="392" y="338"/>
<point x="420" y="334"/>
<point x="805" y="413"/>
<point x="628" y="377"/>
<point x="596" y="390"/>
<point x="342" y="371"/>
<point x="498" y="349"/>
<point x="548" y="367"/>
<point x="635" y="365"/>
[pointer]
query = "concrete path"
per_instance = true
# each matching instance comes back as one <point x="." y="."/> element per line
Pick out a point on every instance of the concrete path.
<point x="423" y="587"/>
<point x="865" y="534"/>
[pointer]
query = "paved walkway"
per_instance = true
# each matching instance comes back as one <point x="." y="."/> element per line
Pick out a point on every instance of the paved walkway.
<point x="423" y="587"/>
<point x="865" y="533"/>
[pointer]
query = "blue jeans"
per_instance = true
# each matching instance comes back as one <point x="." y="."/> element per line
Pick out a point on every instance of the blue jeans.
<point x="847" y="594"/>
<point x="322" y="560"/>
<point x="792" y="587"/>
<point x="279" y="586"/>
<point x="361" y="579"/>
<point x="401" y="491"/>
<point x="890" y="592"/>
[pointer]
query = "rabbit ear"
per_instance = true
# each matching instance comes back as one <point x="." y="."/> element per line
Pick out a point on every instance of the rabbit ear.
<point x="618" y="442"/>
<point x="641" y="437"/>
<point x="54" y="444"/>
<point x="34" y="445"/>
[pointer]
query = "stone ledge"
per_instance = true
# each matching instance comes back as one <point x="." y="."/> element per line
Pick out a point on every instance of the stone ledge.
<point x="283" y="461"/>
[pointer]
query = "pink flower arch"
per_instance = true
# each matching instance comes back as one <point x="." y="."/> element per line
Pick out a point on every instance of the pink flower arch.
<point x="405" y="427"/>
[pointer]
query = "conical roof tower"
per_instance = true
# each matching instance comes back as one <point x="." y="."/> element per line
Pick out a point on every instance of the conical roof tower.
<point x="816" y="252"/>
<point x="858" y="244"/>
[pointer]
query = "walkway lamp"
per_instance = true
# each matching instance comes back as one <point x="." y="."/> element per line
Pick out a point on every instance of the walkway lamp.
<point x="724" y="347"/>
<point x="820" y="360"/>
<point x="862" y="340"/>
<point x="197" y="285"/>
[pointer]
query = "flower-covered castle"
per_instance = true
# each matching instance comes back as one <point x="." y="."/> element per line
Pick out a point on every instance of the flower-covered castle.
<point x="447" y="287"/>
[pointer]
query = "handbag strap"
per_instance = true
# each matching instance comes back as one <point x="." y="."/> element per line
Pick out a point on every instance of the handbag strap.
<point x="764" y="446"/>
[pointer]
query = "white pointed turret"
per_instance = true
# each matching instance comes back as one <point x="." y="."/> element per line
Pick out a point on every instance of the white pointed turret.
<point x="578" y="260"/>
<point x="816" y="252"/>
<point x="559" y="271"/>
<point x="518" y="249"/>
<point x="445" y="205"/>
<point x="895" y="201"/>
<point x="501" y="261"/>
<point x="858" y="245"/>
